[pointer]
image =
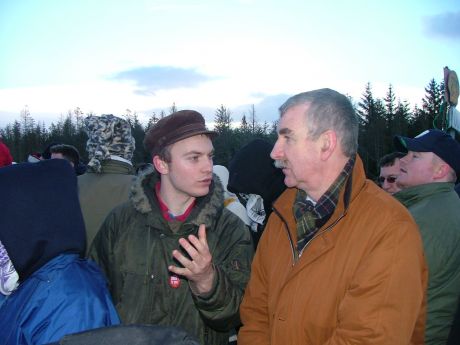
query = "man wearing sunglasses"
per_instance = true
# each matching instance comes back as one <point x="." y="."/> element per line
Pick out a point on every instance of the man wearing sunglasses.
<point x="389" y="172"/>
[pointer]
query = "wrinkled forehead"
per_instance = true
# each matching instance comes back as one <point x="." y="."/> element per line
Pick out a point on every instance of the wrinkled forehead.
<point x="293" y="121"/>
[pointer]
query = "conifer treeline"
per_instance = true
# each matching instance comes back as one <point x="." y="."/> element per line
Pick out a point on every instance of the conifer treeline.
<point x="380" y="120"/>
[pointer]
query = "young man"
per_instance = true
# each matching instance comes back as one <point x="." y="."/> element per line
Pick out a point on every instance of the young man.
<point x="389" y="172"/>
<point x="427" y="178"/>
<point x="173" y="254"/>
<point x="340" y="260"/>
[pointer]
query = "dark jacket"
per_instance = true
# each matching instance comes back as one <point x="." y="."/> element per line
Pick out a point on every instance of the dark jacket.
<point x="131" y="335"/>
<point x="134" y="248"/>
<point x="42" y="230"/>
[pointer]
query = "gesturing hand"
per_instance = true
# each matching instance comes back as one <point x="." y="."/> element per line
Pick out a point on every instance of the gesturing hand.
<point x="199" y="271"/>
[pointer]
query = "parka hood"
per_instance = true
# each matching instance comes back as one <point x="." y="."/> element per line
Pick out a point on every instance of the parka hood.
<point x="41" y="216"/>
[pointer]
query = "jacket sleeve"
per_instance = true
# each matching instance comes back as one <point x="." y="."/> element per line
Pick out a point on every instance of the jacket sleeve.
<point x="232" y="256"/>
<point x="385" y="302"/>
<point x="101" y="250"/>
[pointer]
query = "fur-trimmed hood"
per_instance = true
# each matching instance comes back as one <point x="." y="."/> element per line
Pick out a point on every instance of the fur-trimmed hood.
<point x="205" y="211"/>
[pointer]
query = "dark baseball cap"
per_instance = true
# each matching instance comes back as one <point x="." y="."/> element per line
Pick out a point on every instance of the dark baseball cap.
<point x="180" y="125"/>
<point x="433" y="140"/>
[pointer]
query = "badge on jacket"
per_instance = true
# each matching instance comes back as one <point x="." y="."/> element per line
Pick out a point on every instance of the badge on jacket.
<point x="174" y="281"/>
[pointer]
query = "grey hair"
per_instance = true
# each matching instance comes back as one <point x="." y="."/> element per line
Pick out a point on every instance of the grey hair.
<point x="328" y="110"/>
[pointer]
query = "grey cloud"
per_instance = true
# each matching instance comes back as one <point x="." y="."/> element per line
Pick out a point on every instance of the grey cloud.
<point x="153" y="78"/>
<point x="445" y="25"/>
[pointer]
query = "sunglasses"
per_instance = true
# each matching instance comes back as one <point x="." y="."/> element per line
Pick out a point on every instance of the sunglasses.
<point x="390" y="179"/>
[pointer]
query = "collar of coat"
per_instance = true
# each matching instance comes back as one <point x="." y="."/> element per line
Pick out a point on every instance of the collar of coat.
<point x="207" y="208"/>
<point x="352" y="189"/>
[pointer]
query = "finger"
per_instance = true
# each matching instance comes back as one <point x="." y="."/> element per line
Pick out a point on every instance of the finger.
<point x="179" y="271"/>
<point x="202" y="234"/>
<point x="191" y="250"/>
<point x="182" y="259"/>
<point x="197" y="243"/>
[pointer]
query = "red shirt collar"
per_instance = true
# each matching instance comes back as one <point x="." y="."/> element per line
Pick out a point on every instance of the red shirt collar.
<point x="165" y="210"/>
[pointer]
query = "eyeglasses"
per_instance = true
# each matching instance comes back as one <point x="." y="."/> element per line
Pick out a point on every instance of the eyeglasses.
<point x="390" y="179"/>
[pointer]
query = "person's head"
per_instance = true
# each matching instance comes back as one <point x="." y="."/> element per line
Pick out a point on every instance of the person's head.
<point x="108" y="136"/>
<point x="182" y="151"/>
<point x="34" y="157"/>
<point x="389" y="172"/>
<point x="251" y="171"/>
<point x="432" y="156"/>
<point x="67" y="152"/>
<point x="5" y="155"/>
<point x="317" y="134"/>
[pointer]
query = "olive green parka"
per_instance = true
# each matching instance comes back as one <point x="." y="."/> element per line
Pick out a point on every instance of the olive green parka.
<point x="134" y="248"/>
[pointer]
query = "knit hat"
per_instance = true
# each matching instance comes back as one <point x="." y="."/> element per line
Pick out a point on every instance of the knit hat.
<point x="180" y="125"/>
<point x="5" y="155"/>
<point x="107" y="135"/>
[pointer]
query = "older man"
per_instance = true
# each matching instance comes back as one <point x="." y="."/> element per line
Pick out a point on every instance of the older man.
<point x="340" y="260"/>
<point x="173" y="254"/>
<point x="427" y="178"/>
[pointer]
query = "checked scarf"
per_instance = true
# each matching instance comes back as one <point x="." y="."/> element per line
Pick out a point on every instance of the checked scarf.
<point x="310" y="218"/>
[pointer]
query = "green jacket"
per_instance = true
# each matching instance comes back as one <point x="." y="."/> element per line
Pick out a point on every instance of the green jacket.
<point x="134" y="248"/>
<point x="99" y="193"/>
<point x="436" y="209"/>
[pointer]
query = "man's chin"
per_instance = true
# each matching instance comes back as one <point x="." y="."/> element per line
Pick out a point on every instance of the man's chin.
<point x="289" y="182"/>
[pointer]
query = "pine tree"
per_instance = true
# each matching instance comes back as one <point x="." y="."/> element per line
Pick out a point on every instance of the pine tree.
<point x="372" y="137"/>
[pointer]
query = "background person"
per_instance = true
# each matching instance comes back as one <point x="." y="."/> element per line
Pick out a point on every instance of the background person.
<point x="69" y="153"/>
<point x="52" y="291"/>
<point x="427" y="178"/>
<point x="389" y="172"/>
<point x="110" y="172"/>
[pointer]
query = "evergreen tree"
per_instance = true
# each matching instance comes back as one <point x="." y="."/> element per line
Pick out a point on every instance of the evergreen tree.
<point x="222" y="120"/>
<point x="372" y="143"/>
<point x="431" y="104"/>
<point x="223" y="147"/>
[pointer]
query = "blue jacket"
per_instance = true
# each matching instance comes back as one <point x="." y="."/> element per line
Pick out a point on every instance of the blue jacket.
<point x="66" y="288"/>
<point x="42" y="231"/>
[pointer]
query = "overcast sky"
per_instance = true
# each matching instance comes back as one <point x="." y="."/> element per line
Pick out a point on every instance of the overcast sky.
<point x="106" y="56"/>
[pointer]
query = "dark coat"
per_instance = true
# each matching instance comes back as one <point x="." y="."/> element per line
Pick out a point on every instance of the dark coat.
<point x="134" y="248"/>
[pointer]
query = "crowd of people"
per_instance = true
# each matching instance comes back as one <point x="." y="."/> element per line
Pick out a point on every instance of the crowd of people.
<point x="289" y="244"/>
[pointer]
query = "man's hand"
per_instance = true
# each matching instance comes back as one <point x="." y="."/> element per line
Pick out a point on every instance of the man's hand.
<point x="199" y="271"/>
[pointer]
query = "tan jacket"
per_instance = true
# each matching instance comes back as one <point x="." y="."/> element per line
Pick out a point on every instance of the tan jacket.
<point x="361" y="280"/>
<point x="99" y="193"/>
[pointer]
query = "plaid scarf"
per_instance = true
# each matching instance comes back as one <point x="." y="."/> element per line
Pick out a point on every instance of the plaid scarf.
<point x="310" y="218"/>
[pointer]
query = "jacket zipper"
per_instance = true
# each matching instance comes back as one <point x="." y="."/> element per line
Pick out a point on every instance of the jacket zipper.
<point x="291" y="242"/>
